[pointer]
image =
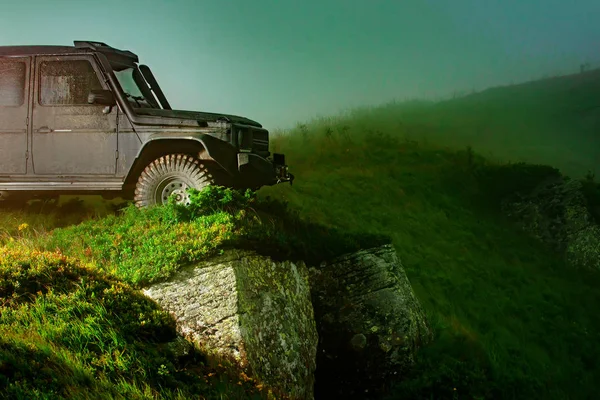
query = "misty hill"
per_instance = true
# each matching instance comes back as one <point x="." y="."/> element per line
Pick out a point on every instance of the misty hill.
<point x="553" y="121"/>
<point x="511" y="316"/>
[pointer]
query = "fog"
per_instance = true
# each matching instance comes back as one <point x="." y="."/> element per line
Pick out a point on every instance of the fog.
<point x="281" y="62"/>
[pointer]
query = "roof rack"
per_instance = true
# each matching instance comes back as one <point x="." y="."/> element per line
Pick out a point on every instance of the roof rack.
<point x="106" y="49"/>
<point x="89" y="45"/>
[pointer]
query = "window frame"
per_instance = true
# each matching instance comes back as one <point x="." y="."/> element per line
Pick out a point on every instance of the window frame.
<point x="26" y="61"/>
<point x="67" y="58"/>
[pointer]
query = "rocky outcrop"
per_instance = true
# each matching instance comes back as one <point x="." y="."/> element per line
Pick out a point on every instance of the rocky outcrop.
<point x="556" y="213"/>
<point x="251" y="311"/>
<point x="259" y="315"/>
<point x="369" y="321"/>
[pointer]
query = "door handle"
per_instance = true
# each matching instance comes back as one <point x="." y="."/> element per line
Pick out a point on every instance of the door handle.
<point x="44" y="129"/>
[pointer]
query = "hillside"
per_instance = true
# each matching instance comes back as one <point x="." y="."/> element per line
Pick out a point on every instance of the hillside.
<point x="501" y="300"/>
<point x="552" y="121"/>
<point x="511" y="319"/>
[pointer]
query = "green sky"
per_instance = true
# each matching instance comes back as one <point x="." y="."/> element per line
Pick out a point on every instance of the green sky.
<point x="281" y="62"/>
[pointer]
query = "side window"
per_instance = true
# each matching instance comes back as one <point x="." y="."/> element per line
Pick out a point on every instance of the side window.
<point x="12" y="83"/>
<point x="67" y="82"/>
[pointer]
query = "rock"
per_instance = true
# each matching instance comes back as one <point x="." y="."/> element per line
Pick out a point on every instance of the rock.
<point x="556" y="213"/>
<point x="250" y="311"/>
<point x="179" y="347"/>
<point x="583" y="249"/>
<point x="358" y="341"/>
<point x="369" y="321"/>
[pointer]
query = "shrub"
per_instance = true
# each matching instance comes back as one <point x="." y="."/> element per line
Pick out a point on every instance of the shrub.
<point x="501" y="181"/>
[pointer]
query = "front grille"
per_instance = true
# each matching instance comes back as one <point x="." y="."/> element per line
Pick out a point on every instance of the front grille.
<point x="260" y="141"/>
<point x="251" y="139"/>
<point x="245" y="139"/>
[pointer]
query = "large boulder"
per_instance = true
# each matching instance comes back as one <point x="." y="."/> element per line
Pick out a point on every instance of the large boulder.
<point x="369" y="321"/>
<point x="252" y="312"/>
<point x="556" y="213"/>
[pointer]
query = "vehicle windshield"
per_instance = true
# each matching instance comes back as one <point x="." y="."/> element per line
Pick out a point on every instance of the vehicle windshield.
<point x="131" y="82"/>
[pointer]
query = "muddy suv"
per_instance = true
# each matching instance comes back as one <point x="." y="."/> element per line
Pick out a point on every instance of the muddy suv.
<point x="88" y="119"/>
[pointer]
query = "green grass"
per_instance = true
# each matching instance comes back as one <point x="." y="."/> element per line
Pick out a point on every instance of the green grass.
<point x="510" y="319"/>
<point x="68" y="331"/>
<point x="72" y="321"/>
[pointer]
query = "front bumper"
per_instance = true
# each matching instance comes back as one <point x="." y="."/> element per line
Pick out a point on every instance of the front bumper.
<point x="282" y="173"/>
<point x="256" y="171"/>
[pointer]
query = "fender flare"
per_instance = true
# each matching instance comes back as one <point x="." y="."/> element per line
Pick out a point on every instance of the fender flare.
<point x="217" y="150"/>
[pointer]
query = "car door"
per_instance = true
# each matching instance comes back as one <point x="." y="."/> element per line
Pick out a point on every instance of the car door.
<point x="14" y="110"/>
<point x="69" y="136"/>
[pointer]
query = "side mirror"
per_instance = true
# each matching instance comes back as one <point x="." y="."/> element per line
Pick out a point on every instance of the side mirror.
<point x="102" y="97"/>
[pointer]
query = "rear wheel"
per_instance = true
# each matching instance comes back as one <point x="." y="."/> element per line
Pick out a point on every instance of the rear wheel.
<point x="170" y="175"/>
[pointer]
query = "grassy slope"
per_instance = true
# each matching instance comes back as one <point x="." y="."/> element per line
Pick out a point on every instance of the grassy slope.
<point x="511" y="320"/>
<point x="553" y="121"/>
<point x="498" y="299"/>
<point x="73" y="325"/>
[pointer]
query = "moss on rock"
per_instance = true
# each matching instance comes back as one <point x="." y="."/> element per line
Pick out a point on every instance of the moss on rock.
<point x="369" y="320"/>
<point x="249" y="311"/>
<point x="556" y="212"/>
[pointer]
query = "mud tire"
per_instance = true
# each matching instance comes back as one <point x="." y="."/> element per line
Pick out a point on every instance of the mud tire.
<point x="172" y="174"/>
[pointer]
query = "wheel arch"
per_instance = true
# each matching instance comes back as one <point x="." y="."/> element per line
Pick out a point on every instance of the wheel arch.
<point x="206" y="148"/>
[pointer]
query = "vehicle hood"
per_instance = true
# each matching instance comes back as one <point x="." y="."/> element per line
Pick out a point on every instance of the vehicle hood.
<point x="195" y="115"/>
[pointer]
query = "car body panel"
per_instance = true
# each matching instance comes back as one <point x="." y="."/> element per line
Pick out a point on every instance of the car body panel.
<point x="14" y="114"/>
<point x="71" y="139"/>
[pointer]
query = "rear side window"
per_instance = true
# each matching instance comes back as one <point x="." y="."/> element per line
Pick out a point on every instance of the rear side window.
<point x="67" y="82"/>
<point x="12" y="83"/>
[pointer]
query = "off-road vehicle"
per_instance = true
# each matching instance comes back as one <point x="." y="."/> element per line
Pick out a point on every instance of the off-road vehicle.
<point x="88" y="119"/>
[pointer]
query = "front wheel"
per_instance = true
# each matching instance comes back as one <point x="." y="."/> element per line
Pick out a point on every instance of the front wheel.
<point x="170" y="175"/>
